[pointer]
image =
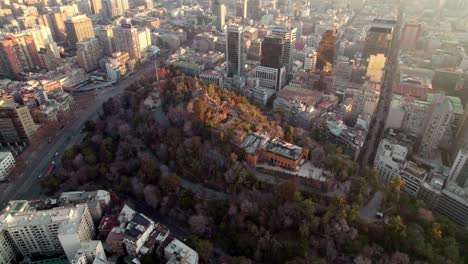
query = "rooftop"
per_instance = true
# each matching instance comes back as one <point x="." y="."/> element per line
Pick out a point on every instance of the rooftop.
<point x="284" y="149"/>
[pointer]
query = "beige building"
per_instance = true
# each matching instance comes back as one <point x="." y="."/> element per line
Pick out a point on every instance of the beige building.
<point x="16" y="125"/>
<point x="88" y="54"/>
<point x="78" y="28"/>
<point x="132" y="40"/>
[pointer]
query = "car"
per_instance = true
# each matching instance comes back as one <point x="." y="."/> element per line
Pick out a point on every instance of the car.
<point x="53" y="162"/>
<point x="56" y="154"/>
<point x="379" y="215"/>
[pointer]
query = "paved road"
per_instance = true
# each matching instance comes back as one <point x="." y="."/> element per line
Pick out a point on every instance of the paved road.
<point x="376" y="131"/>
<point x="27" y="185"/>
<point x="370" y="210"/>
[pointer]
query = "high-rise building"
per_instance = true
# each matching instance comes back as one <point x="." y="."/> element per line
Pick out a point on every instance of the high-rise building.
<point x="219" y="14"/>
<point x="79" y="28"/>
<point x="365" y="100"/>
<point x="326" y="52"/>
<point x="132" y="40"/>
<point x="16" y="125"/>
<point x="379" y="38"/>
<point x="254" y="9"/>
<point x="105" y="35"/>
<point x="289" y="37"/>
<point x="58" y="26"/>
<point x="88" y="54"/>
<point x="409" y="36"/>
<point x="18" y="54"/>
<point x="116" y="8"/>
<point x="242" y="9"/>
<point x="96" y="7"/>
<point x="234" y="51"/>
<point x="436" y="124"/>
<point x="272" y="47"/>
<point x="33" y="231"/>
<point x="90" y="252"/>
<point x="269" y="78"/>
<point x="459" y="170"/>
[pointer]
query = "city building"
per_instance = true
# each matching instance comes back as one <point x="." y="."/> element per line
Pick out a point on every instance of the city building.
<point x="97" y="201"/>
<point x="18" y="54"/>
<point x="16" y="126"/>
<point x="219" y="12"/>
<point x="78" y="29"/>
<point x="177" y="252"/>
<point x="254" y="9"/>
<point x="272" y="47"/>
<point x="409" y="36"/>
<point x="365" y="100"/>
<point x="234" y="51"/>
<point x="7" y="163"/>
<point x="438" y="121"/>
<point x="379" y="38"/>
<point x="326" y="52"/>
<point x="88" y="54"/>
<point x="459" y="170"/>
<point x="289" y="35"/>
<point x="262" y="148"/>
<point x="90" y="252"/>
<point x="132" y="40"/>
<point x="115" y="8"/>
<point x="241" y="9"/>
<point x="34" y="230"/>
<point x="105" y="35"/>
<point x="212" y="76"/>
<point x="133" y="234"/>
<point x="391" y="162"/>
<point x="270" y="78"/>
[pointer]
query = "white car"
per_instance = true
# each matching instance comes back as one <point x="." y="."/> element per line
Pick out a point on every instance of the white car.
<point x="53" y="162"/>
<point x="56" y="154"/>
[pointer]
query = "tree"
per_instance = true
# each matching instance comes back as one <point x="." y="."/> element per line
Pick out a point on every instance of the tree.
<point x="289" y="134"/>
<point x="288" y="192"/>
<point x="203" y="248"/>
<point x="170" y="184"/>
<point x="199" y="224"/>
<point x="392" y="192"/>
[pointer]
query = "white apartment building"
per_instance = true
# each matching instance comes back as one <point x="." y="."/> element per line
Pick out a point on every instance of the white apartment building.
<point x="7" y="163"/>
<point x="391" y="162"/>
<point x="270" y="78"/>
<point x="132" y="40"/>
<point x="7" y="251"/>
<point x="138" y="228"/>
<point x="90" y="252"/>
<point x="459" y="170"/>
<point x="179" y="253"/>
<point x="46" y="232"/>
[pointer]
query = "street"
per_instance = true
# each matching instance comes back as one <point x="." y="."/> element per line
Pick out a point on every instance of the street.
<point x="27" y="185"/>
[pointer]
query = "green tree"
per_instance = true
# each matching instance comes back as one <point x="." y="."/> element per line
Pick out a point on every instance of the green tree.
<point x="287" y="192"/>
<point x="170" y="183"/>
<point x="289" y="135"/>
<point x="203" y="248"/>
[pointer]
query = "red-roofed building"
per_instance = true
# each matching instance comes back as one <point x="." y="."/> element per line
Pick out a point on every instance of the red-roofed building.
<point x="299" y="46"/>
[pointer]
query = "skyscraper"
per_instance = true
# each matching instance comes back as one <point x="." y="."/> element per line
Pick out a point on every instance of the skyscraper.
<point x="105" y="35"/>
<point x="378" y="38"/>
<point x="16" y="125"/>
<point x="459" y="170"/>
<point x="219" y="14"/>
<point x="242" y="9"/>
<point x="289" y="37"/>
<point x="96" y="7"/>
<point x="79" y="28"/>
<point x="234" y="50"/>
<point x="272" y="47"/>
<point x="18" y="54"/>
<point x="437" y="122"/>
<point x="131" y="40"/>
<point x="88" y="54"/>
<point x="254" y="9"/>
<point x="116" y="8"/>
<point x="326" y="52"/>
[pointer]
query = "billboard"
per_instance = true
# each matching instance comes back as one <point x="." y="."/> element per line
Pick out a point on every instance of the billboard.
<point x="126" y="26"/>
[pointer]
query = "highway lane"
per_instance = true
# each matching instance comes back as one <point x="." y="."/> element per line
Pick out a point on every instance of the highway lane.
<point x="27" y="186"/>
